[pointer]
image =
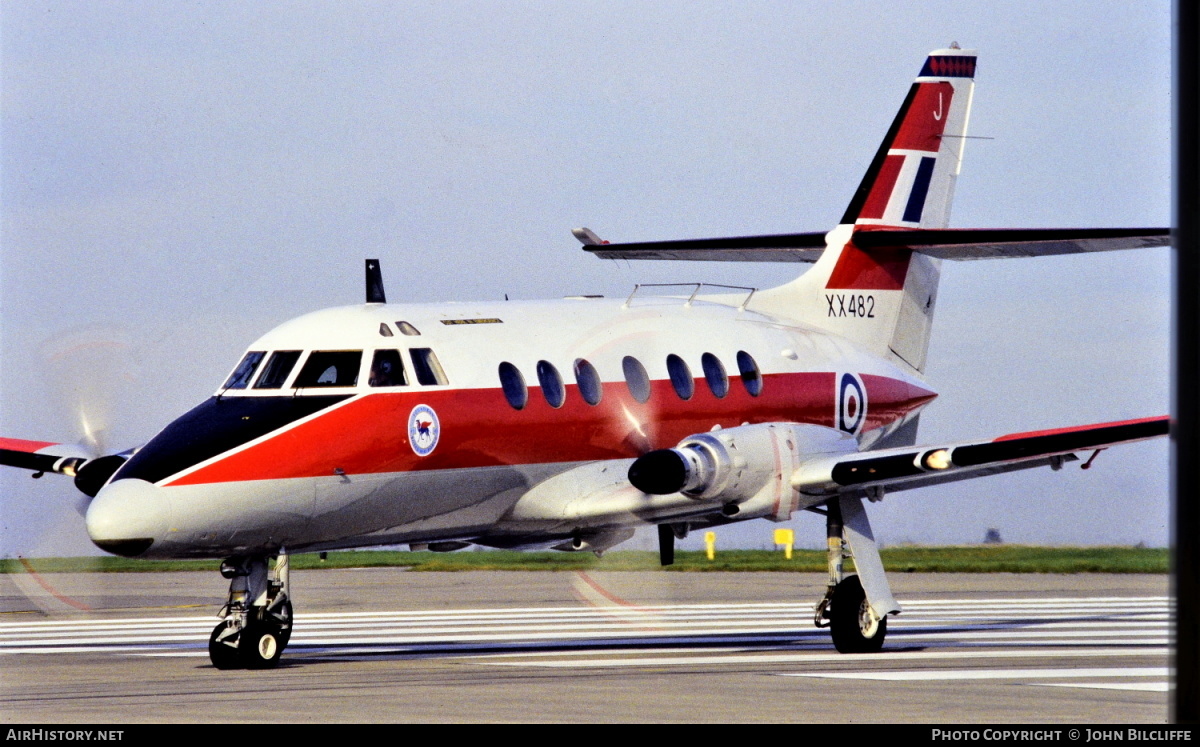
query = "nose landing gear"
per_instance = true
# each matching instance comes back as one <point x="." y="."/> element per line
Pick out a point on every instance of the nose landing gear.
<point x="256" y="621"/>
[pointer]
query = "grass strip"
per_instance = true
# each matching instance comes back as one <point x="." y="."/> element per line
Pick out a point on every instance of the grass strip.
<point x="900" y="559"/>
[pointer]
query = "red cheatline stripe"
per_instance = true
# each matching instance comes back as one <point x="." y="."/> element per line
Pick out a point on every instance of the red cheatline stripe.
<point x="54" y="592"/>
<point x="479" y="429"/>
<point x="1080" y="428"/>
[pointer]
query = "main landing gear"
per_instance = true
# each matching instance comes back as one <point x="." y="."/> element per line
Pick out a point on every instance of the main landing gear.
<point x="853" y="623"/>
<point x="257" y="619"/>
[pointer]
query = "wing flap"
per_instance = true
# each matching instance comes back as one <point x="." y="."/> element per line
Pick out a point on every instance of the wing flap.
<point x="912" y="467"/>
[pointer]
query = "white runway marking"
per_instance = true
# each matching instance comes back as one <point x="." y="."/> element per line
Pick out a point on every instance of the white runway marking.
<point x="815" y="658"/>
<point x="990" y="674"/>
<point x="971" y="633"/>
<point x="1143" y="687"/>
<point x="1159" y="685"/>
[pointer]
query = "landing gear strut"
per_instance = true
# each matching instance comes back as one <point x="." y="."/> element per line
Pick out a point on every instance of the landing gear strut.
<point x="845" y="610"/>
<point x="256" y="621"/>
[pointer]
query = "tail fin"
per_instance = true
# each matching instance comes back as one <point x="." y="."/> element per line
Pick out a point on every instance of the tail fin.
<point x="910" y="182"/>
<point x="883" y="298"/>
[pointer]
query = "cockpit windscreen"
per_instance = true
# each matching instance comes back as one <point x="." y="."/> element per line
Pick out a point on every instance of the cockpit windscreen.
<point x="330" y="368"/>
<point x="240" y="378"/>
<point x="275" y="373"/>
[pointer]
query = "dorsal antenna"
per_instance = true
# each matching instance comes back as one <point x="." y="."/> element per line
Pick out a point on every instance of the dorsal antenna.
<point x="375" y="292"/>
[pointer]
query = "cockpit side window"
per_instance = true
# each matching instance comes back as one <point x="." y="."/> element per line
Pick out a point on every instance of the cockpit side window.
<point x="240" y="378"/>
<point x="387" y="369"/>
<point x="330" y="368"/>
<point x="275" y="373"/>
<point x="427" y="368"/>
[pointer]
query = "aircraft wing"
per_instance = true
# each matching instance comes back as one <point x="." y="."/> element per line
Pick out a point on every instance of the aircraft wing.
<point x="918" y="466"/>
<point x="42" y="456"/>
<point x="951" y="243"/>
<point x="91" y="472"/>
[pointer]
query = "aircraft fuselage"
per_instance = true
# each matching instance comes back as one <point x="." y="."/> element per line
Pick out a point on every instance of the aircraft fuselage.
<point x="362" y="460"/>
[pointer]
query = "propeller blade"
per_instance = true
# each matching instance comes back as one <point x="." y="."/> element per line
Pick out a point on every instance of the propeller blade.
<point x="90" y="369"/>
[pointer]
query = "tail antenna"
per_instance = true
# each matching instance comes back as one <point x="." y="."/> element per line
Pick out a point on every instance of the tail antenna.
<point x="375" y="292"/>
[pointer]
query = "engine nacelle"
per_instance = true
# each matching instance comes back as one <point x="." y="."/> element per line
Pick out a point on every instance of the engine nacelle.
<point x="733" y="465"/>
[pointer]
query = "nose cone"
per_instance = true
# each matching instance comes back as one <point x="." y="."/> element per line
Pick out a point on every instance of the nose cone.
<point x="127" y="517"/>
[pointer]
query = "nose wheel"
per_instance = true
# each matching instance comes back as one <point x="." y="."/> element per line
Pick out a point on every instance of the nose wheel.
<point x="256" y="623"/>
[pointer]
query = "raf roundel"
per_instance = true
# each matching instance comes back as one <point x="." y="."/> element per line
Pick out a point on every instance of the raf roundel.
<point x="423" y="430"/>
<point x="851" y="404"/>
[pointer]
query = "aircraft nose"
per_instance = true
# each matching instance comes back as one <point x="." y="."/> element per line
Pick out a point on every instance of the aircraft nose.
<point x="127" y="517"/>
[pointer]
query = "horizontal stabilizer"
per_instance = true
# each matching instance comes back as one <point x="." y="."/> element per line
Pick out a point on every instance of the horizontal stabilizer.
<point x="994" y="243"/>
<point x="914" y="467"/>
<point x="791" y="247"/>
<point x="952" y="243"/>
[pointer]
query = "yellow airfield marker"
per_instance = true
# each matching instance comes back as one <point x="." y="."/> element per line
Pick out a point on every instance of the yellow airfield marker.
<point x="787" y="538"/>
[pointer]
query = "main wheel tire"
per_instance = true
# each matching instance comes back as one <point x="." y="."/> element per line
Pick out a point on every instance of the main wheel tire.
<point x="855" y="630"/>
<point x="283" y="622"/>
<point x="223" y="655"/>
<point x="260" y="646"/>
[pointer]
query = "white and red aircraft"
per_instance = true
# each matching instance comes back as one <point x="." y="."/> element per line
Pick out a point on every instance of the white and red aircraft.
<point x="569" y="423"/>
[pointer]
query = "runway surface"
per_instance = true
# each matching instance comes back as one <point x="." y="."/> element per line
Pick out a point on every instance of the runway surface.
<point x="390" y="645"/>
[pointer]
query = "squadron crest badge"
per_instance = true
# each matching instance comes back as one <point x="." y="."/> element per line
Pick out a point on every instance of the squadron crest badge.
<point x="423" y="430"/>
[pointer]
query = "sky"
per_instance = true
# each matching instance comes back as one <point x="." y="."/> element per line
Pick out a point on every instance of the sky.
<point x="178" y="178"/>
